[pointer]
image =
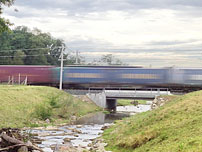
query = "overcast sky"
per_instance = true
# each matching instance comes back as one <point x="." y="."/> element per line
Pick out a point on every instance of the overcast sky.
<point x="139" y="32"/>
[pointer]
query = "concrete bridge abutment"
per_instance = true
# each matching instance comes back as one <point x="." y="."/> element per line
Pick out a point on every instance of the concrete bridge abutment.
<point x="99" y="99"/>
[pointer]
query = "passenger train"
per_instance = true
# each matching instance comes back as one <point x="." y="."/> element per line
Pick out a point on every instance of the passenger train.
<point x="104" y="76"/>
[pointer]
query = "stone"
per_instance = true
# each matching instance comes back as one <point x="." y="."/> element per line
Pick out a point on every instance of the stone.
<point x="78" y="126"/>
<point x="67" y="140"/>
<point x="47" y="121"/>
<point x="73" y="118"/>
<point x="76" y="135"/>
<point x="161" y="104"/>
<point x="69" y="133"/>
<point x="52" y="128"/>
<point x="76" y="131"/>
<point x="104" y="127"/>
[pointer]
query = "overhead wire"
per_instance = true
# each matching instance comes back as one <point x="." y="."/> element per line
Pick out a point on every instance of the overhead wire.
<point x="5" y="51"/>
<point x="11" y="56"/>
<point x="31" y="49"/>
<point x="14" y="50"/>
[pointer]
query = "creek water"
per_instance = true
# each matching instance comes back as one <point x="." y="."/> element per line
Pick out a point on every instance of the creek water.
<point x="84" y="130"/>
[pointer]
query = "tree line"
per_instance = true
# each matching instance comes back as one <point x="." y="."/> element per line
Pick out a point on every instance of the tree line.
<point x="23" y="46"/>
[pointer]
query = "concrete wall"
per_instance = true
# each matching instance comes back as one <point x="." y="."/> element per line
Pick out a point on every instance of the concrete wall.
<point x="98" y="98"/>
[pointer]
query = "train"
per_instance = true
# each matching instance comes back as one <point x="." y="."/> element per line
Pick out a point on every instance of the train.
<point x="104" y="76"/>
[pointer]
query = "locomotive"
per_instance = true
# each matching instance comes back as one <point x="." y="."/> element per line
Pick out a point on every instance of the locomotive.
<point x="104" y="76"/>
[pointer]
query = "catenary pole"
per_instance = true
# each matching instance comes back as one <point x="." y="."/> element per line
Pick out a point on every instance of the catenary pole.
<point x="77" y="57"/>
<point x="61" y="65"/>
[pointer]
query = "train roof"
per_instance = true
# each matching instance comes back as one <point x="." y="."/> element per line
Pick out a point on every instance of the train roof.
<point x="95" y="66"/>
<point x="26" y="66"/>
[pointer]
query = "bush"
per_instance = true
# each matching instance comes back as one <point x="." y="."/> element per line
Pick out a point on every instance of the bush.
<point x="43" y="111"/>
<point x="54" y="102"/>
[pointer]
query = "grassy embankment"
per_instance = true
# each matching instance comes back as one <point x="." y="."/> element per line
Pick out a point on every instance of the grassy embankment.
<point x="174" y="127"/>
<point x="127" y="102"/>
<point x="30" y="105"/>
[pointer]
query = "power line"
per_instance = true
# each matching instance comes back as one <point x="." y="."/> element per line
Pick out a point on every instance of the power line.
<point x="24" y="56"/>
<point x="31" y="49"/>
<point x="23" y="49"/>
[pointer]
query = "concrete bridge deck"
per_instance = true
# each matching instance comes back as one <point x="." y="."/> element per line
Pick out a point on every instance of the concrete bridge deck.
<point x="116" y="94"/>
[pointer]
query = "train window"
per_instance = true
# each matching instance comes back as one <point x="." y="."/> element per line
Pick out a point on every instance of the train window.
<point x="140" y="76"/>
<point x="84" y="75"/>
<point x="195" y="77"/>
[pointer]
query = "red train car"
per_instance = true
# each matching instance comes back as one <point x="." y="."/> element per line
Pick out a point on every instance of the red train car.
<point x="34" y="74"/>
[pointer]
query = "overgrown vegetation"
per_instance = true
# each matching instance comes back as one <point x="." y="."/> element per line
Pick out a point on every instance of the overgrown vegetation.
<point x="174" y="127"/>
<point x="30" y="105"/>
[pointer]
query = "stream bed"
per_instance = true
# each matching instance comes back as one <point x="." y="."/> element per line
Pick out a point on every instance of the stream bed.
<point x="83" y="131"/>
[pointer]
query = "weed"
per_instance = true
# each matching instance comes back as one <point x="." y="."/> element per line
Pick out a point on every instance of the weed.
<point x="43" y="111"/>
<point x="53" y="101"/>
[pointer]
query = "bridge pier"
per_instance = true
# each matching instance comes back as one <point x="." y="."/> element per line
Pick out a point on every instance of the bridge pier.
<point x="111" y="104"/>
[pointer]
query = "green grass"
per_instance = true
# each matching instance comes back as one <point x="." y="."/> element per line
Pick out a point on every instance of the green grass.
<point x="127" y="102"/>
<point x="22" y="106"/>
<point x="174" y="127"/>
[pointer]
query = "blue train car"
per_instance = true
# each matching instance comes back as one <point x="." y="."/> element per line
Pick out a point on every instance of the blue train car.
<point x="85" y="75"/>
<point x="193" y="77"/>
<point x="142" y="76"/>
<point x="114" y="76"/>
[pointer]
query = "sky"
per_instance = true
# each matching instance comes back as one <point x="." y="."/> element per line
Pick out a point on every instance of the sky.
<point x="150" y="33"/>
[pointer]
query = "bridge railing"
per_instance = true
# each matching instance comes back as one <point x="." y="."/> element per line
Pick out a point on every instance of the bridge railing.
<point x="137" y="93"/>
<point x="124" y="93"/>
<point x="82" y="92"/>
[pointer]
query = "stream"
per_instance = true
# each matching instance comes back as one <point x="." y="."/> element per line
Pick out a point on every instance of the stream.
<point x="84" y="130"/>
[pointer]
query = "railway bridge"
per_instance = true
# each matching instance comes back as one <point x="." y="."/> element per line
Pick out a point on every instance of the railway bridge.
<point x="107" y="98"/>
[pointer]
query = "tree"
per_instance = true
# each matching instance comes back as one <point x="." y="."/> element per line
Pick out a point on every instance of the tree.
<point x="75" y="59"/>
<point x="18" y="58"/>
<point x="109" y="59"/>
<point x="33" y="44"/>
<point x="4" y="23"/>
<point x="30" y="47"/>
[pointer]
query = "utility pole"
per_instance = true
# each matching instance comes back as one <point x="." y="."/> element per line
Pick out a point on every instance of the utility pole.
<point x="61" y="65"/>
<point x="77" y="57"/>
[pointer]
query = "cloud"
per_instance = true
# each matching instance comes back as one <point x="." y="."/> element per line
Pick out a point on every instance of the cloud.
<point x="82" y="7"/>
<point x="173" y="42"/>
<point x="143" y="32"/>
<point x="107" y="4"/>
